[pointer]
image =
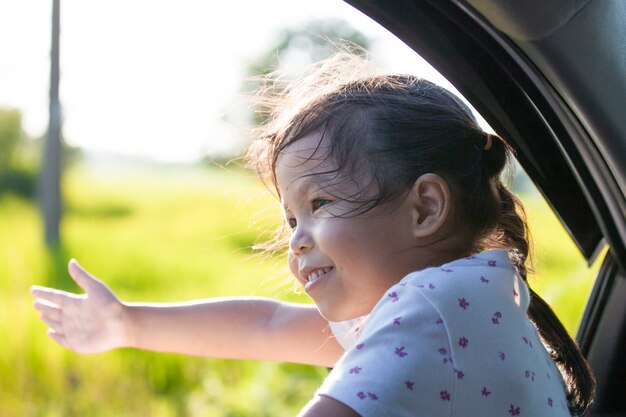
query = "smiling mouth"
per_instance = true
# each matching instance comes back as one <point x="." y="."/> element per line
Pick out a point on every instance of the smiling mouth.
<point x="316" y="275"/>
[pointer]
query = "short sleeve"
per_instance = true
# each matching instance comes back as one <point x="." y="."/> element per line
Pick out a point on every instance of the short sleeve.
<point x="401" y="364"/>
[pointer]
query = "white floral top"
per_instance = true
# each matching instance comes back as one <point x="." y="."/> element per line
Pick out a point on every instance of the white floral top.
<point x="449" y="341"/>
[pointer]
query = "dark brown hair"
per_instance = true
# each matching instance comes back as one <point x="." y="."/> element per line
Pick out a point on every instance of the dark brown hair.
<point x="388" y="130"/>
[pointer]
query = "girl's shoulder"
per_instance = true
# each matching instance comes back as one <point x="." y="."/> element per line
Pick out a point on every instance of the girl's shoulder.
<point x="491" y="262"/>
<point x="485" y="273"/>
<point x="445" y="336"/>
<point x="476" y="300"/>
<point x="486" y="279"/>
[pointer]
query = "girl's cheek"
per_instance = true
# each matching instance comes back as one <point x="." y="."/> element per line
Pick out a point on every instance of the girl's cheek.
<point x="335" y="233"/>
<point x="293" y="263"/>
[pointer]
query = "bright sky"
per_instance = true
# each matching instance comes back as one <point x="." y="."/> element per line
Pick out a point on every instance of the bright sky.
<point x="156" y="78"/>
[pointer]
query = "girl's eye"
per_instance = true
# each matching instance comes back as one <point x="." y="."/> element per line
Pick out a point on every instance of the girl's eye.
<point x="319" y="203"/>
<point x="292" y="223"/>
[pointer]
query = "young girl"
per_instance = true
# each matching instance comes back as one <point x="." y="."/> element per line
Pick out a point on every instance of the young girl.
<point x="412" y="249"/>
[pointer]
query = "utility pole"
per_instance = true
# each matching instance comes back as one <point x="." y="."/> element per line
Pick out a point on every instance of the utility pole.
<point x="50" y="176"/>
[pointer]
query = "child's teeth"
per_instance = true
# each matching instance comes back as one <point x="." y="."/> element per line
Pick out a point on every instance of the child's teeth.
<point x="314" y="276"/>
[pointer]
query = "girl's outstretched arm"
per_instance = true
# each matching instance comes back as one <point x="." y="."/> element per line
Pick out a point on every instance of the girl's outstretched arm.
<point x="237" y="328"/>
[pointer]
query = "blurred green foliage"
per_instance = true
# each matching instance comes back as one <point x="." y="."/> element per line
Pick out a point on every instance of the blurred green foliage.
<point x="18" y="166"/>
<point x="313" y="42"/>
<point x="296" y="48"/>
<point x="10" y="134"/>
<point x="174" y="234"/>
<point x="18" y="171"/>
<point x="20" y="156"/>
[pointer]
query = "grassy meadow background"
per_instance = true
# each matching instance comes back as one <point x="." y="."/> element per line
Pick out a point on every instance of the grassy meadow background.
<point x="171" y="234"/>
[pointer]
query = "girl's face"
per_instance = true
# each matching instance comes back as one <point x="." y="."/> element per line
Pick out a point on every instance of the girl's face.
<point x="344" y="263"/>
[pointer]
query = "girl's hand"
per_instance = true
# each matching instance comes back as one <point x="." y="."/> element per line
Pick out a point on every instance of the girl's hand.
<point x="93" y="322"/>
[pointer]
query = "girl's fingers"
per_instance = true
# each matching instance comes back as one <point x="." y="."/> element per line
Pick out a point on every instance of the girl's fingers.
<point x="83" y="278"/>
<point x="48" y="309"/>
<point x="49" y="294"/>
<point x="53" y="324"/>
<point x="59" y="338"/>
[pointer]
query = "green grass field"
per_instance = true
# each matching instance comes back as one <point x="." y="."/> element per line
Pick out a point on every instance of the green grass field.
<point x="167" y="235"/>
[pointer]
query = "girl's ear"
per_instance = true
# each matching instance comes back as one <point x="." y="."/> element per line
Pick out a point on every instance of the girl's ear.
<point x="432" y="206"/>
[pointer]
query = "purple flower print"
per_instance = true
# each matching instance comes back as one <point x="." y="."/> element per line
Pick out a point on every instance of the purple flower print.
<point x="444" y="352"/>
<point x="496" y="317"/>
<point x="492" y="263"/>
<point x="400" y="352"/>
<point x="501" y="355"/>
<point x="372" y="396"/>
<point x="530" y="374"/>
<point x="361" y="395"/>
<point x="514" y="411"/>
<point x="447" y="270"/>
<point x="528" y="342"/>
<point x="431" y="286"/>
<point x="484" y="280"/>
<point x="409" y="385"/>
<point x="394" y="296"/>
<point x="439" y="321"/>
<point x="463" y="303"/>
<point x="360" y="346"/>
<point x="550" y="403"/>
<point x="355" y="370"/>
<point x="396" y="320"/>
<point x="485" y="392"/>
<point x="463" y="342"/>
<point x="460" y="374"/>
<point x="515" y="293"/>
<point x="445" y="395"/>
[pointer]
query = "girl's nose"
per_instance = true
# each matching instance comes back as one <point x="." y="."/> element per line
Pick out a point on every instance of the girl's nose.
<point x="301" y="241"/>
